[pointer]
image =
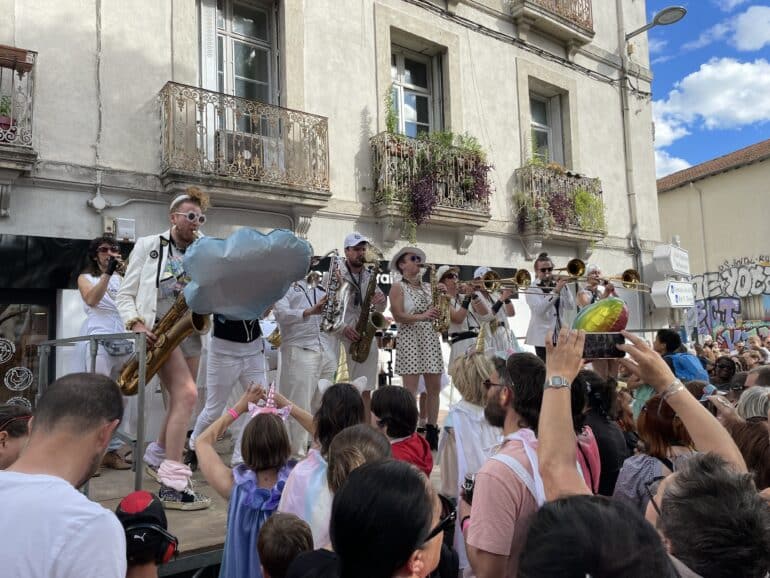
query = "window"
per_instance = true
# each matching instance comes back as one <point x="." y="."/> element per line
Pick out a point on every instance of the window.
<point x="413" y="91"/>
<point x="545" y="128"/>
<point x="245" y="52"/>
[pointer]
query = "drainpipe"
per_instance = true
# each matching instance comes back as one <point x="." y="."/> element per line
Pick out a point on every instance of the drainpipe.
<point x="628" y="153"/>
<point x="702" y="227"/>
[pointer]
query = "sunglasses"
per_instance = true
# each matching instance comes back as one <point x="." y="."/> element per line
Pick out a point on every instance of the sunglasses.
<point x="450" y="276"/>
<point x="192" y="216"/>
<point x="443" y="524"/>
<point x="112" y="249"/>
<point x="546" y="269"/>
<point x="415" y="258"/>
<point x="489" y="384"/>
<point x="648" y="487"/>
<point x="4" y="425"/>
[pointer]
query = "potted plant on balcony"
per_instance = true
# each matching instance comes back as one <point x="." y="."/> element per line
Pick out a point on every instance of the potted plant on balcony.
<point x="6" y="122"/>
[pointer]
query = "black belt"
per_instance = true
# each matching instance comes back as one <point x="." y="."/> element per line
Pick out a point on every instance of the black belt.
<point x="457" y="337"/>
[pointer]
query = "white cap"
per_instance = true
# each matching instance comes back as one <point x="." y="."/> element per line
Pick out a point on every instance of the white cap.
<point x="479" y="272"/>
<point x="444" y="269"/>
<point x="354" y="239"/>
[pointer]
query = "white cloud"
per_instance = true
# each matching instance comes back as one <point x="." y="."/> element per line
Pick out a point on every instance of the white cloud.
<point x="752" y="29"/>
<point x="747" y="31"/>
<point x="656" y="45"/>
<point x="728" y="5"/>
<point x="668" y="128"/>
<point x="709" y="36"/>
<point x="723" y="94"/>
<point x="665" y="164"/>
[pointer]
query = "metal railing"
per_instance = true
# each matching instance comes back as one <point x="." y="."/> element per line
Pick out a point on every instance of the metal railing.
<point x="578" y="12"/>
<point x="17" y="68"/>
<point x="398" y="161"/>
<point x="140" y="350"/>
<point x="211" y="133"/>
<point x="551" y="197"/>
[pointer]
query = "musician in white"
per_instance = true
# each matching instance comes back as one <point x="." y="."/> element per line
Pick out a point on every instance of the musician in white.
<point x="305" y="354"/>
<point x="355" y="273"/>
<point x="499" y="307"/>
<point x="547" y="300"/>
<point x="154" y="278"/>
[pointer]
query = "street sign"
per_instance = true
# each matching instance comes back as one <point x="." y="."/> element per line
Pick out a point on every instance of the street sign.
<point x="673" y="294"/>
<point x="671" y="260"/>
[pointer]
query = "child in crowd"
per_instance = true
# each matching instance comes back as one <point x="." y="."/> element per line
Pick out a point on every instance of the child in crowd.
<point x="254" y="487"/>
<point x="282" y="538"/>
<point x="148" y="542"/>
<point x="14" y="432"/>
<point x="395" y="413"/>
<point x="307" y="493"/>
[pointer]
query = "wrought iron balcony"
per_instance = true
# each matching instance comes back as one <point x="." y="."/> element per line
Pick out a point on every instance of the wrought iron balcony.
<point x="568" y="20"/>
<point x="552" y="202"/>
<point x="248" y="144"/>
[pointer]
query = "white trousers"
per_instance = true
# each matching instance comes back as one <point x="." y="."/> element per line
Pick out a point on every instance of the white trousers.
<point x="368" y="369"/>
<point x="110" y="365"/>
<point x="223" y="373"/>
<point x="298" y="376"/>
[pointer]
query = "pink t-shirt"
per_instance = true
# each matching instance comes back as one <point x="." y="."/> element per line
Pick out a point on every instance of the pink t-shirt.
<point x="502" y="508"/>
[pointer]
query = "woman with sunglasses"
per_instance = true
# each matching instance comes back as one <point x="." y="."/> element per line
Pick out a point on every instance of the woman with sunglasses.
<point x="464" y="321"/>
<point x="14" y="432"/>
<point x="154" y="278"/>
<point x="387" y="522"/>
<point x="98" y="286"/>
<point x="418" y="348"/>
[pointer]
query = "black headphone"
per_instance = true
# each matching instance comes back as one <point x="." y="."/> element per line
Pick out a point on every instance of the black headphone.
<point x="167" y="548"/>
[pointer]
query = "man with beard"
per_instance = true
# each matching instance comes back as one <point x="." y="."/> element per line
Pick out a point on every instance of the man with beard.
<point x="53" y="530"/>
<point x="508" y="487"/>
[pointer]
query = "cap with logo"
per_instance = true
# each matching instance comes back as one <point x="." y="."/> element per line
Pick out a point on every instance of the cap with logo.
<point x="354" y="239"/>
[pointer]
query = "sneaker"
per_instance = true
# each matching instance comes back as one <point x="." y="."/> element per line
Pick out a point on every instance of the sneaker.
<point x="431" y="436"/>
<point x="115" y="461"/>
<point x="187" y="499"/>
<point x="152" y="471"/>
<point x="190" y="459"/>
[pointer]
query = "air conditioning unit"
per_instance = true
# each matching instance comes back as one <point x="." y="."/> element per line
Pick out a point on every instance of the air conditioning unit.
<point x="248" y="154"/>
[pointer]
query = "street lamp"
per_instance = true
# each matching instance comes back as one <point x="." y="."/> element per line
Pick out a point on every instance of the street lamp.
<point x="668" y="15"/>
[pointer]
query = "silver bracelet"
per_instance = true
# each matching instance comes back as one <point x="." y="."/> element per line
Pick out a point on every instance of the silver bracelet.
<point x="675" y="387"/>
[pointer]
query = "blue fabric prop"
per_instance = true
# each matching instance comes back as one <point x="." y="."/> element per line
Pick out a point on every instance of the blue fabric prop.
<point x="241" y="276"/>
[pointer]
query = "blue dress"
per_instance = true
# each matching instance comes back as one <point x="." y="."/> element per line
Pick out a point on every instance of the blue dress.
<point x="249" y="507"/>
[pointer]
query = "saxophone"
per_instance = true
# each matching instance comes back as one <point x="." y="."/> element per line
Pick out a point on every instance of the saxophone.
<point x="333" y="312"/>
<point x="439" y="301"/>
<point x="369" y="320"/>
<point x="171" y="330"/>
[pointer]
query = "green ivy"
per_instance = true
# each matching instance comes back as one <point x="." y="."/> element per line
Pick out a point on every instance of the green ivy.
<point x="391" y="116"/>
<point x="589" y="210"/>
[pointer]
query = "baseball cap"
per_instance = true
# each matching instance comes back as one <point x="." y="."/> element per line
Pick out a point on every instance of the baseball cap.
<point x="479" y="272"/>
<point x="354" y="239"/>
<point x="136" y="509"/>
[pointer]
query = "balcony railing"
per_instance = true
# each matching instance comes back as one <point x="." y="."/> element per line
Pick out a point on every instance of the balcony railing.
<point x="448" y="177"/>
<point x="210" y="133"/>
<point x="553" y="202"/>
<point x="577" y="12"/>
<point x="16" y="96"/>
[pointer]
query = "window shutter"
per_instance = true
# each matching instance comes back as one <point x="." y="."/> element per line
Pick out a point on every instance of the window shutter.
<point x="209" y="44"/>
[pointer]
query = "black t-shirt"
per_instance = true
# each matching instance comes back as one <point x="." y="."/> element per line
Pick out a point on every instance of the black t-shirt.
<point x="613" y="450"/>
<point x="315" y="564"/>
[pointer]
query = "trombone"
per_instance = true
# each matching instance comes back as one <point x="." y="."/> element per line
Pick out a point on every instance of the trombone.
<point x="576" y="268"/>
<point x="630" y="279"/>
<point x="491" y="281"/>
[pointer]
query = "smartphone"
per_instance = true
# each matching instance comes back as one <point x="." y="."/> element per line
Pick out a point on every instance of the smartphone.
<point x="709" y="406"/>
<point x="603" y="346"/>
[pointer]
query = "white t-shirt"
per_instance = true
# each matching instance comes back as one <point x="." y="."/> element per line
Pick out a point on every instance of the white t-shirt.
<point x="54" y="531"/>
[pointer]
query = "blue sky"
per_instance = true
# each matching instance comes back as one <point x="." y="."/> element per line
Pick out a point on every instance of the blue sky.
<point x="711" y="92"/>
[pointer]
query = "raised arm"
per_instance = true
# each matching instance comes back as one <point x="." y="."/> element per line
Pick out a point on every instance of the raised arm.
<point x="556" y="433"/>
<point x="706" y="432"/>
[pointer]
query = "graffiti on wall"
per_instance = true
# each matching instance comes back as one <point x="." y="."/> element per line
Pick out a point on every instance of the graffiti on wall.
<point x="718" y="294"/>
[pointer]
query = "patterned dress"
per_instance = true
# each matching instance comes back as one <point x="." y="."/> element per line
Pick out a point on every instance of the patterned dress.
<point x="418" y="347"/>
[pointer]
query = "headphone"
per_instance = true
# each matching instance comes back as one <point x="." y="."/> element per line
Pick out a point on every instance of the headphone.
<point x="167" y="548"/>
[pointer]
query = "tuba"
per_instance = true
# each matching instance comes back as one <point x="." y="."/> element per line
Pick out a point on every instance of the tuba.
<point x="369" y="320"/>
<point x="176" y="325"/>
<point x="439" y="301"/>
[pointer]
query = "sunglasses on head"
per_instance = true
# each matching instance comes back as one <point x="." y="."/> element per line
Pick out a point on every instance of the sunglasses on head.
<point x="443" y="524"/>
<point x="192" y="216"/>
<point x="111" y="249"/>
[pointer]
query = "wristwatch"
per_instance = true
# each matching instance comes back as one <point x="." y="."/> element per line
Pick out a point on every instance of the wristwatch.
<point x="557" y="382"/>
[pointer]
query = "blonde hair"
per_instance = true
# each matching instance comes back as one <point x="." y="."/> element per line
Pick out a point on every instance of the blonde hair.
<point x="468" y="374"/>
<point x="193" y="195"/>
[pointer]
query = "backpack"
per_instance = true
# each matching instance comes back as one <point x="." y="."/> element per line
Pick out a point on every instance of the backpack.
<point x="686" y="366"/>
